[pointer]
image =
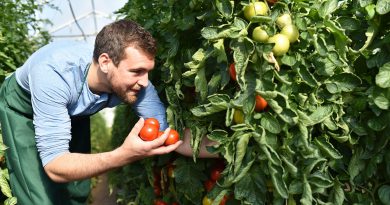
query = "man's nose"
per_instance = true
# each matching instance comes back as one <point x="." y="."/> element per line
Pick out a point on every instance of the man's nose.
<point x="144" y="80"/>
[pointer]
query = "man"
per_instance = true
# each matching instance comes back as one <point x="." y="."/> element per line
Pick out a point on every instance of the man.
<point x="45" y="105"/>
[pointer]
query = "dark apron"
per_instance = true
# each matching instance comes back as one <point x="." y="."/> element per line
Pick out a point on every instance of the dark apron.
<point x="29" y="182"/>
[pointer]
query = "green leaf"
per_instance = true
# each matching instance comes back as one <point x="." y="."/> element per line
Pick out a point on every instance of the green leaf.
<point x="327" y="8"/>
<point x="320" y="180"/>
<point x="271" y="124"/>
<point x="337" y="195"/>
<point x="11" y="201"/>
<point x="384" y="194"/>
<point x="382" y="79"/>
<point x="277" y="179"/>
<point x="188" y="172"/>
<point x="218" y="135"/>
<point x="382" y="6"/>
<point x="4" y="184"/>
<point x="225" y="8"/>
<point x="251" y="187"/>
<point x="241" y="147"/>
<point x="344" y="82"/>
<point x="243" y="49"/>
<point x="327" y="148"/>
<point x="320" y="114"/>
<point x="307" y="77"/>
<point x="307" y="196"/>
<point x="218" y="102"/>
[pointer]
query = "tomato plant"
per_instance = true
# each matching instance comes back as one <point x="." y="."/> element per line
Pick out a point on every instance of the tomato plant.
<point x="324" y="136"/>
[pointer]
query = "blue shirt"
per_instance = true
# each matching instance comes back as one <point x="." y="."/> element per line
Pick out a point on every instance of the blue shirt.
<point x="55" y="76"/>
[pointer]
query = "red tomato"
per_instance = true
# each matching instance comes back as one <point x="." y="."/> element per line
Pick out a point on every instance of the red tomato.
<point x="261" y="104"/>
<point x="175" y="203"/>
<point x="160" y="133"/>
<point x="209" y="184"/>
<point x="149" y="132"/>
<point x="160" y="202"/>
<point x="173" y="137"/>
<point x="157" y="191"/>
<point x="152" y="121"/>
<point x="215" y="174"/>
<point x="232" y="72"/>
<point x="224" y="200"/>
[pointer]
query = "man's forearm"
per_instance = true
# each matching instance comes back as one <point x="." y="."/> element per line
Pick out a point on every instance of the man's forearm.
<point x="186" y="150"/>
<point x="76" y="166"/>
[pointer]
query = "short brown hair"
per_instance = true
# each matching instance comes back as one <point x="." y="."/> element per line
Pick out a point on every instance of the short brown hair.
<point x="114" y="38"/>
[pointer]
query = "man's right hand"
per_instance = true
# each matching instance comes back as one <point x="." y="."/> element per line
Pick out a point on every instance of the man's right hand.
<point x="134" y="148"/>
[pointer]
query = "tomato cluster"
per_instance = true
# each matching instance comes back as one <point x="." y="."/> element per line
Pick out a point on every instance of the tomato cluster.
<point x="151" y="130"/>
<point x="288" y="31"/>
<point x="209" y="184"/>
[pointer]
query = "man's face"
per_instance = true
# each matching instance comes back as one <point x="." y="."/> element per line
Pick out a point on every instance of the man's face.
<point x="131" y="75"/>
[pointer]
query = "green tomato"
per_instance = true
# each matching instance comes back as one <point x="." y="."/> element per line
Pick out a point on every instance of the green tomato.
<point x="238" y="117"/>
<point x="283" y="20"/>
<point x="259" y="35"/>
<point x="255" y="9"/>
<point x="282" y="44"/>
<point x="291" y="32"/>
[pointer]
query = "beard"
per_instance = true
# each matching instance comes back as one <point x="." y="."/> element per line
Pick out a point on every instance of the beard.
<point x="126" y="96"/>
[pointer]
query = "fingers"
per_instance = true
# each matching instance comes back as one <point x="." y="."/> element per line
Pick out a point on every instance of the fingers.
<point x="159" y="141"/>
<point x="166" y="149"/>
<point x="137" y="127"/>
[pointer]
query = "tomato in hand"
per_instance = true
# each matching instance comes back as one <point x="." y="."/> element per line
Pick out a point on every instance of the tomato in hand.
<point x="232" y="72"/>
<point x="152" y="121"/>
<point x="261" y="104"/>
<point x="149" y="132"/>
<point x="150" y="129"/>
<point x="173" y="137"/>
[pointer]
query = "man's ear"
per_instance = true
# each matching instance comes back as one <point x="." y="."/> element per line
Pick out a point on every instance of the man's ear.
<point x="104" y="61"/>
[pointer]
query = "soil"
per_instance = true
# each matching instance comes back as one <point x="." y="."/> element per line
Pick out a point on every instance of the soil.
<point x="100" y="194"/>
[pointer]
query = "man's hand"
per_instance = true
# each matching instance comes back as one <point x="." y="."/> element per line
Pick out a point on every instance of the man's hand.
<point x="186" y="150"/>
<point x="75" y="166"/>
<point x="135" y="148"/>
